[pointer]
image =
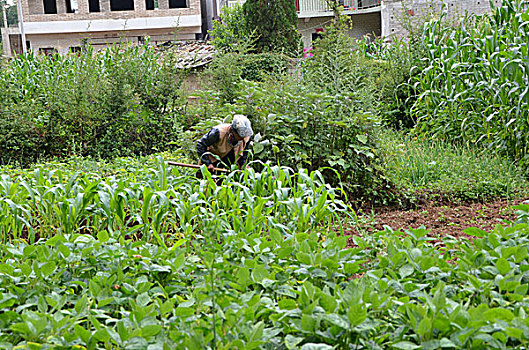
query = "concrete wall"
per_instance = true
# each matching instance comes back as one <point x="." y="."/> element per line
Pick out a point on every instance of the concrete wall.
<point x="397" y="12"/>
<point x="63" y="30"/>
<point x="64" y="42"/>
<point x="363" y="24"/>
<point x="33" y="11"/>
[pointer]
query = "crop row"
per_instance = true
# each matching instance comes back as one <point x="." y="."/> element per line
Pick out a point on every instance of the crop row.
<point x="259" y="261"/>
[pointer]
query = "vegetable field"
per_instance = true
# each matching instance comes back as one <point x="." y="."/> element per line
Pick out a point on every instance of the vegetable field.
<point x="105" y="246"/>
<point x="161" y="260"/>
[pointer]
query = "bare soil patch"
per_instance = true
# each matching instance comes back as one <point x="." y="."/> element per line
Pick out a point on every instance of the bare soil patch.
<point x="441" y="219"/>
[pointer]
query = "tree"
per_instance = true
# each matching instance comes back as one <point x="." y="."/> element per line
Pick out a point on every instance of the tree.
<point x="336" y="8"/>
<point x="11" y="13"/>
<point x="231" y="33"/>
<point x="275" y="24"/>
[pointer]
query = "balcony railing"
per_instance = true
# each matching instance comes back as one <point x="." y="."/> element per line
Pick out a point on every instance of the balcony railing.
<point x="318" y="6"/>
<point x="315" y="8"/>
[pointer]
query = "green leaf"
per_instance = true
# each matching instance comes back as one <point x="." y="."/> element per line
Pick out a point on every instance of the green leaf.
<point x="495" y="314"/>
<point x="337" y="320"/>
<point x="405" y="345"/>
<point x="184" y="311"/>
<point x="474" y="231"/>
<point x="48" y="268"/>
<point x="82" y="333"/>
<point x="516" y="333"/>
<point x="308" y="323"/>
<point x="102" y="335"/>
<point x="356" y="314"/>
<point x="521" y="254"/>
<point x="150" y="330"/>
<point x="243" y="276"/>
<point x="406" y="270"/>
<point x="328" y="302"/>
<point x="446" y="343"/>
<point x="291" y="341"/>
<point x="424" y="327"/>
<point x="166" y="307"/>
<point x="143" y="299"/>
<point x="304" y="258"/>
<point x="102" y="236"/>
<point x="258" y="148"/>
<point x="287" y="304"/>
<point x="521" y="290"/>
<point x="81" y="305"/>
<point x="503" y="266"/>
<point x="361" y="138"/>
<point x="259" y="273"/>
<point x="7" y="269"/>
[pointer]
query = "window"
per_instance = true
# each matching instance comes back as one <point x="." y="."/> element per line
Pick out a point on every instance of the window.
<point x="50" y="7"/>
<point x="48" y="51"/>
<point x="177" y="4"/>
<point x="93" y="6"/>
<point x="151" y="4"/>
<point x="318" y="34"/>
<point x="71" y="6"/>
<point x="121" y="5"/>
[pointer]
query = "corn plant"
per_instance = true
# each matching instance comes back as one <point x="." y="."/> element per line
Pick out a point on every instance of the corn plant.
<point x="475" y="88"/>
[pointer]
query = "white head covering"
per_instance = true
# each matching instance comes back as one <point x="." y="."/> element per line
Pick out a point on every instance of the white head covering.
<point x="242" y="125"/>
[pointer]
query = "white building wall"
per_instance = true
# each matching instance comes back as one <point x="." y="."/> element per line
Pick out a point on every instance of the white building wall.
<point x="363" y="24"/>
<point x="397" y="12"/>
<point x="66" y="41"/>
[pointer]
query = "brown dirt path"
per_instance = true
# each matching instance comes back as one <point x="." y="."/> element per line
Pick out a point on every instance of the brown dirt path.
<point x="450" y="219"/>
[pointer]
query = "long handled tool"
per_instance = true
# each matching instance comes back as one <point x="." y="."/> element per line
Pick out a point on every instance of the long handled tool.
<point x="195" y="166"/>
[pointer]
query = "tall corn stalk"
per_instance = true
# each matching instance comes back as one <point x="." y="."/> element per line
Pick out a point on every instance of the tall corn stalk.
<point x="475" y="86"/>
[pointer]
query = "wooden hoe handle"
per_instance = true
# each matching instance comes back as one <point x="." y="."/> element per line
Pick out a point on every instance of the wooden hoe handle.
<point x="195" y="166"/>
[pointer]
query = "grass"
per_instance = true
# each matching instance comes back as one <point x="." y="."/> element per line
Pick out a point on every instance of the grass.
<point x="443" y="170"/>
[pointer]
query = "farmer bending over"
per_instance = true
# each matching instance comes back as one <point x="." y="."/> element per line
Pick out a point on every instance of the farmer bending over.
<point x="229" y="142"/>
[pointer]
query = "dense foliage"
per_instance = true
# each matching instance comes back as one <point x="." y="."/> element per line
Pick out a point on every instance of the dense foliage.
<point x="119" y="102"/>
<point x="231" y="32"/>
<point x="158" y="259"/>
<point x="423" y="169"/>
<point x="132" y="254"/>
<point x="11" y="14"/>
<point x="275" y="24"/>
<point x="475" y="87"/>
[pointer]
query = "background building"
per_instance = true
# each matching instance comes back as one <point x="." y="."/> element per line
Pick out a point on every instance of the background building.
<point x="62" y="25"/>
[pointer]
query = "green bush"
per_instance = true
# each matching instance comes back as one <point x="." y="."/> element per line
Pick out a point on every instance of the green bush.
<point x="226" y="71"/>
<point x="125" y="100"/>
<point x="231" y="33"/>
<point x="20" y="140"/>
<point x="299" y="128"/>
<point x="256" y="67"/>
<point x="275" y="24"/>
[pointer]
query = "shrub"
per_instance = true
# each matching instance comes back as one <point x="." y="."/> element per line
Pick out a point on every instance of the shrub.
<point x="275" y="24"/>
<point x="20" y="140"/>
<point x="256" y="67"/>
<point x="232" y="33"/>
<point x="298" y="128"/>
<point x="123" y="101"/>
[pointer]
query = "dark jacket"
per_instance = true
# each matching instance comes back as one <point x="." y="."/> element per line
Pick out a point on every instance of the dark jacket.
<point x="218" y="142"/>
